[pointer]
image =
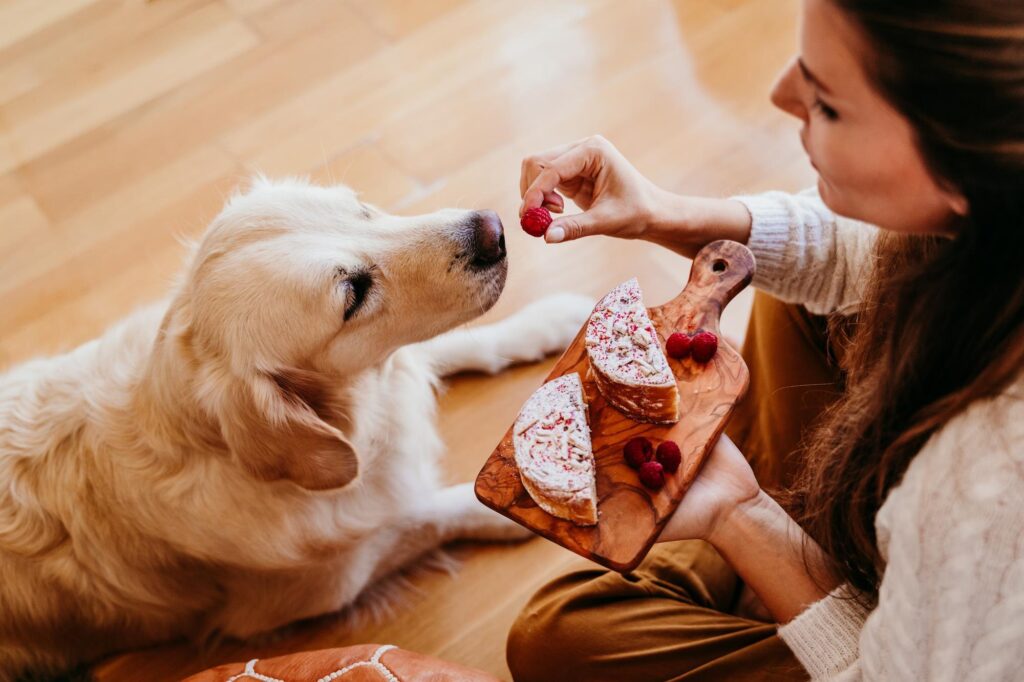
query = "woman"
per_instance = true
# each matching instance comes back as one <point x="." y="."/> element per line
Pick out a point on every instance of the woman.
<point x="907" y="562"/>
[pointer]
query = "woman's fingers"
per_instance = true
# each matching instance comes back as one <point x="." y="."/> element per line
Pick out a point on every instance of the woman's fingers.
<point x="573" y="227"/>
<point x="549" y="174"/>
<point x="554" y="202"/>
<point x="533" y="164"/>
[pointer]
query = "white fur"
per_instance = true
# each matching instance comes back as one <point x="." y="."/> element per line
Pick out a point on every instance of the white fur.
<point x="241" y="456"/>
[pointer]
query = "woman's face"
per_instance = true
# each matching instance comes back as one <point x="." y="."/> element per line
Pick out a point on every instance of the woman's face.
<point x="864" y="151"/>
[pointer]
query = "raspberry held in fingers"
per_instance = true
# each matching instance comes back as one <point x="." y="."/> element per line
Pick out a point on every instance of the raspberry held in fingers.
<point x="703" y="346"/>
<point x="535" y="221"/>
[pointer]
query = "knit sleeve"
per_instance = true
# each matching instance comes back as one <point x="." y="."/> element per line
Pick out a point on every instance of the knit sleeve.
<point x="825" y="637"/>
<point x="806" y="254"/>
<point x="951" y="601"/>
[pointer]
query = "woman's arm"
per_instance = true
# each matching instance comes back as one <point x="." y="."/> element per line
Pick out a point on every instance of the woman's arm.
<point x="767" y="549"/>
<point x="684" y="224"/>
<point x="805" y="253"/>
<point x="618" y="201"/>
<point x="774" y="557"/>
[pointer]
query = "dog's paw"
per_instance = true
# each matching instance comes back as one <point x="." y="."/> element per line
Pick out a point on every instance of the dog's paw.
<point x="490" y="526"/>
<point x="468" y="518"/>
<point x="549" y="325"/>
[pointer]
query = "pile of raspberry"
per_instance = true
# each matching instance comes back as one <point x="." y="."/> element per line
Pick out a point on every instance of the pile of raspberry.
<point x="701" y="346"/>
<point x="650" y="463"/>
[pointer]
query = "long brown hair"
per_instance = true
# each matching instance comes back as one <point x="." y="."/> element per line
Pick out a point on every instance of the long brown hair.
<point x="943" y="323"/>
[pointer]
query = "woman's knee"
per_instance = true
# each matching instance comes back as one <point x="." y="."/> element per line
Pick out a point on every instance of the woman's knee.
<point x="534" y="642"/>
<point x="552" y="638"/>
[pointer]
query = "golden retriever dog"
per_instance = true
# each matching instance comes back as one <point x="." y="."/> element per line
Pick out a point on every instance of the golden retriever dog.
<point x="263" y="446"/>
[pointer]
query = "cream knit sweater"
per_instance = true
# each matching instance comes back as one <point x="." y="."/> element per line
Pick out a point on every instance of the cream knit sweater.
<point x="951" y="602"/>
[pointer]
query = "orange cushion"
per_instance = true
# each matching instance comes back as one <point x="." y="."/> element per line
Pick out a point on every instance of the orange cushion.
<point x="360" y="663"/>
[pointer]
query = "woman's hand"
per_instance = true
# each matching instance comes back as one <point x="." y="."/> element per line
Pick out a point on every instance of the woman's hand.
<point x="768" y="550"/>
<point x="724" y="484"/>
<point x="617" y="200"/>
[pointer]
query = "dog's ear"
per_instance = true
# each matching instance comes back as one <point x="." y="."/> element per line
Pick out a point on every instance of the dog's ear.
<point x="274" y="425"/>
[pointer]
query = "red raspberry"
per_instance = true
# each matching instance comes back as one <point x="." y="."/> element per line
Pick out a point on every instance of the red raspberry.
<point x="535" y="221"/>
<point x="669" y="456"/>
<point x="704" y="346"/>
<point x="637" y="451"/>
<point x="652" y="475"/>
<point x="678" y="346"/>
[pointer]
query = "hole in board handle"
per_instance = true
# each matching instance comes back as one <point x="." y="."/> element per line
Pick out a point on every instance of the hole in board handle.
<point x="719" y="265"/>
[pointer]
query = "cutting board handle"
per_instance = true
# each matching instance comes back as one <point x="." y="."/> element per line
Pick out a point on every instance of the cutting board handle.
<point x="719" y="271"/>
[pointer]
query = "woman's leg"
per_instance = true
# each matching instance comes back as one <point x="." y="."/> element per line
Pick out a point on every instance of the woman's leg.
<point x="793" y="378"/>
<point x="667" y="620"/>
<point x="670" y="619"/>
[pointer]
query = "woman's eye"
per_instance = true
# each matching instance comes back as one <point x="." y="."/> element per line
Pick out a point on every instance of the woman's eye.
<point x="825" y="110"/>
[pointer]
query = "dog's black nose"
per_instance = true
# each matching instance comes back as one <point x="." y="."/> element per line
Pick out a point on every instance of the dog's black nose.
<point x="488" y="238"/>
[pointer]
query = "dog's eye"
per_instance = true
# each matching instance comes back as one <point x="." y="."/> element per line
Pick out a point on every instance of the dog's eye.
<point x="358" y="286"/>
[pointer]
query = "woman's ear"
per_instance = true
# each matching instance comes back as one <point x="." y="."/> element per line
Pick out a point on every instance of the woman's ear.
<point x="274" y="428"/>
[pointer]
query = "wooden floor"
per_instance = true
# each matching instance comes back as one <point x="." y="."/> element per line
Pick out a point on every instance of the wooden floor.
<point x="123" y="125"/>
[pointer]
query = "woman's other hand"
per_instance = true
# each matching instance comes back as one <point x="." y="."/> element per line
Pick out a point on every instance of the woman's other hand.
<point x="724" y="484"/>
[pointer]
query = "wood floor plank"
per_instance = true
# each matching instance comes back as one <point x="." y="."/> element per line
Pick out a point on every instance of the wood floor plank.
<point x="374" y="174"/>
<point x="398" y="18"/>
<point x="21" y="18"/>
<point x="96" y="241"/>
<point x="424" y="66"/>
<point x="292" y="58"/>
<point x="21" y="220"/>
<point x="75" y="104"/>
<point x="98" y="32"/>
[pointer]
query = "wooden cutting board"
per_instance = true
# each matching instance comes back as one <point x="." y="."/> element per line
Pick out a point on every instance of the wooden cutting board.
<point x="630" y="516"/>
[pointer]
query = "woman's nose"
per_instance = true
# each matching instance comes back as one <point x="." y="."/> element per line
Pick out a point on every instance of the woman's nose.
<point x="786" y="91"/>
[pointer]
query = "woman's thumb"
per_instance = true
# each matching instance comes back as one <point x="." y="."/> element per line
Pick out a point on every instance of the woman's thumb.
<point x="571" y="227"/>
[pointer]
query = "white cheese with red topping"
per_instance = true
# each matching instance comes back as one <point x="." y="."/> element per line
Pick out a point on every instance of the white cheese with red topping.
<point x="621" y="340"/>
<point x="631" y="369"/>
<point x="551" y="439"/>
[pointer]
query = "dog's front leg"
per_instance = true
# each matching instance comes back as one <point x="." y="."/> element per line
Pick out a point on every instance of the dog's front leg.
<point x="541" y="328"/>
<point x="452" y="513"/>
<point x="259" y="601"/>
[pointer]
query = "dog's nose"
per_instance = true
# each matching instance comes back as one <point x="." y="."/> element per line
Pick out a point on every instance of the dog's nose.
<point x="488" y="238"/>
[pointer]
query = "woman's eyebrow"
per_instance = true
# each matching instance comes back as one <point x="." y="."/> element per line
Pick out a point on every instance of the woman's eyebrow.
<point x="811" y="78"/>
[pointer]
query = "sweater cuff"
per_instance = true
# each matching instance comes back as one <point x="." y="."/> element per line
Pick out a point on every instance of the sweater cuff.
<point x="826" y="637"/>
<point x="769" y="236"/>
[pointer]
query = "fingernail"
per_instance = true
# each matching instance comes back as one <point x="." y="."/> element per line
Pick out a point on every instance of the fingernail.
<point x="555" y="235"/>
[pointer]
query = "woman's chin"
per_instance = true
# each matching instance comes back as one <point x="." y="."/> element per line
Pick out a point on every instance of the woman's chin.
<point x="825" y="191"/>
<point x="826" y="194"/>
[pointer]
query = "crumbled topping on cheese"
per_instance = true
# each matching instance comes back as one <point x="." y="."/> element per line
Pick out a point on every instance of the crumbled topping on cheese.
<point x="552" y="439"/>
<point x="622" y="342"/>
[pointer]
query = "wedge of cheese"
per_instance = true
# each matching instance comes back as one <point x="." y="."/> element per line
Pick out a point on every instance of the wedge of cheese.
<point x="626" y="358"/>
<point x="551" y="438"/>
